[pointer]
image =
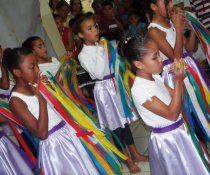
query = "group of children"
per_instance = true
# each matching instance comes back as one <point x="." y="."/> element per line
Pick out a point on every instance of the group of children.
<point x="158" y="102"/>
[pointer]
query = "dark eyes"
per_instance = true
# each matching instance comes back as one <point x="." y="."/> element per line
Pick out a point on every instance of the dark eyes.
<point x="94" y="26"/>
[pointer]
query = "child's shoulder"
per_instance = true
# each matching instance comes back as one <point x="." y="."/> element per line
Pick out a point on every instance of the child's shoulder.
<point x="144" y="84"/>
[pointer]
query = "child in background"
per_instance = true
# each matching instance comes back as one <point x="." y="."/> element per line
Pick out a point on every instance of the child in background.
<point x="136" y="27"/>
<point x="98" y="9"/>
<point x="171" y="150"/>
<point x="94" y="59"/>
<point x="60" y="149"/>
<point x="76" y="8"/>
<point x="63" y="9"/>
<point x="110" y="26"/>
<point x="46" y="63"/>
<point x="65" y="33"/>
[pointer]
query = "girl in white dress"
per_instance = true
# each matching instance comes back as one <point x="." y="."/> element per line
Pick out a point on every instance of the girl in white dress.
<point x="46" y="63"/>
<point x="171" y="150"/>
<point x="60" y="150"/>
<point x="94" y="59"/>
<point x="167" y="30"/>
<point x="13" y="160"/>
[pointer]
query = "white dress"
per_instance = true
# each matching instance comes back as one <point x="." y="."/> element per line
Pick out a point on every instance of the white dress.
<point x="52" y="67"/>
<point x="13" y="160"/>
<point x="62" y="152"/>
<point x="168" y="79"/>
<point x="171" y="150"/>
<point x="171" y="39"/>
<point x="94" y="59"/>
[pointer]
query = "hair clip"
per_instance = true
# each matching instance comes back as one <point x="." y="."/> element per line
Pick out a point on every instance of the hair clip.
<point x="127" y="39"/>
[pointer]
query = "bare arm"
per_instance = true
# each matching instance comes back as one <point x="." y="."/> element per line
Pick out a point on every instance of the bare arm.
<point x="172" y="110"/>
<point x="160" y="38"/>
<point x="170" y="90"/>
<point x="4" y="80"/>
<point x="190" y="43"/>
<point x="2" y="119"/>
<point x="38" y="127"/>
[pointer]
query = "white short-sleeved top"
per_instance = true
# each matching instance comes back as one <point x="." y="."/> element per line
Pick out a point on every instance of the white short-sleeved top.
<point x="94" y="59"/>
<point x="33" y="106"/>
<point x="170" y="35"/>
<point x="52" y="67"/>
<point x="143" y="90"/>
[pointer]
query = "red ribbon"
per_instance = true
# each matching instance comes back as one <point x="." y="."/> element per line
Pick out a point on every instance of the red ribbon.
<point x="196" y="77"/>
<point x="68" y="119"/>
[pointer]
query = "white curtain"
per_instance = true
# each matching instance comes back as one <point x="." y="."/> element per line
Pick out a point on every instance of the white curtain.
<point x="20" y="19"/>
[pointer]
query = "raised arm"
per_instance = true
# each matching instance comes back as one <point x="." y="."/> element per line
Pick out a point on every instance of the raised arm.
<point x="160" y="38"/>
<point x="94" y="64"/>
<point x="2" y="119"/>
<point x="172" y="110"/>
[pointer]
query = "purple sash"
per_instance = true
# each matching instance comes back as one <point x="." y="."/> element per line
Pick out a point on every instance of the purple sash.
<point x="57" y="127"/>
<point x="168" y="128"/>
<point x="106" y="77"/>
<point x="2" y="134"/>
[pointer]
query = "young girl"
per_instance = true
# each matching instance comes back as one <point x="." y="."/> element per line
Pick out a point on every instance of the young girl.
<point x="62" y="8"/>
<point x="94" y="59"/>
<point x="13" y="159"/>
<point x="169" y="36"/>
<point x="60" y="150"/>
<point x="135" y="27"/>
<point x="167" y="30"/>
<point x="171" y="150"/>
<point x="45" y="62"/>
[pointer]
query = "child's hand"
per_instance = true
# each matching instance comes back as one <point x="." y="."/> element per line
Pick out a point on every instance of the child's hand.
<point x="101" y="42"/>
<point x="179" y="20"/>
<point x="179" y="70"/>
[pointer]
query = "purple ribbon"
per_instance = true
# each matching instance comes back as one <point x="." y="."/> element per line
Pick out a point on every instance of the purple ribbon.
<point x="2" y="134"/>
<point x="107" y="77"/>
<point x="168" y="128"/>
<point x="57" y="127"/>
<point x="168" y="61"/>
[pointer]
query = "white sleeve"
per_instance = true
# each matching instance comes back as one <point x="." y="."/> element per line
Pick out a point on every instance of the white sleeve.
<point x="94" y="64"/>
<point x="142" y="95"/>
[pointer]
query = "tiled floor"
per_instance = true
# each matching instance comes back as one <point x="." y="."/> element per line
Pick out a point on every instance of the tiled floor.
<point x="141" y="135"/>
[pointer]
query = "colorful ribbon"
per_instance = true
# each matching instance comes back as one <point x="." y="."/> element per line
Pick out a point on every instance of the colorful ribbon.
<point x="76" y="118"/>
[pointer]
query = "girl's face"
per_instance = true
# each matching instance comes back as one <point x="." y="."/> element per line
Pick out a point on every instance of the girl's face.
<point x="28" y="69"/>
<point x="90" y="32"/>
<point x="59" y="23"/>
<point x="76" y="6"/>
<point x="64" y="11"/>
<point x="134" y="19"/>
<point x="170" y="9"/>
<point x="108" y="10"/>
<point x="98" y="8"/>
<point x="151" y="62"/>
<point x="160" y="8"/>
<point x="39" y="49"/>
